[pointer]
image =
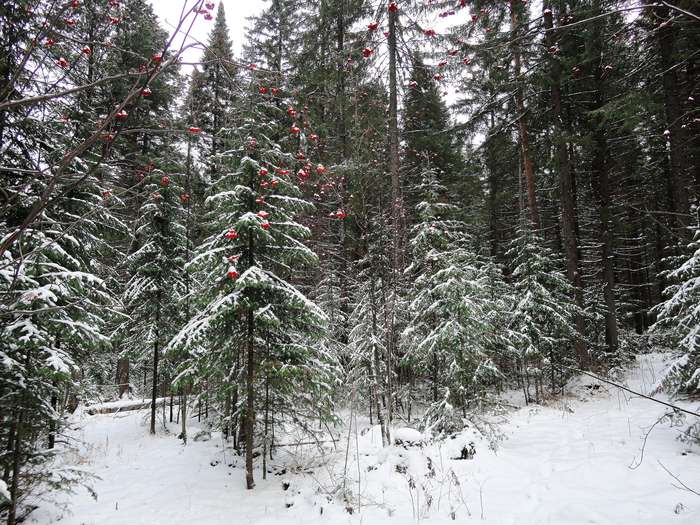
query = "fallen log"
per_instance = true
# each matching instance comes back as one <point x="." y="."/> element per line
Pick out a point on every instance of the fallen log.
<point x="126" y="405"/>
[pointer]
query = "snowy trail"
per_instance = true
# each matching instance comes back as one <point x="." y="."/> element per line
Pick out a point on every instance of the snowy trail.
<point x="563" y="464"/>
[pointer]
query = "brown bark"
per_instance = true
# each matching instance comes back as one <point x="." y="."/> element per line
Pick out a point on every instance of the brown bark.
<point x="123" y="376"/>
<point x="525" y="153"/>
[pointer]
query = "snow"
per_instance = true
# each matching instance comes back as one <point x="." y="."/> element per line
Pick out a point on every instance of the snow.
<point x="578" y="460"/>
<point x="3" y="490"/>
<point x="407" y="435"/>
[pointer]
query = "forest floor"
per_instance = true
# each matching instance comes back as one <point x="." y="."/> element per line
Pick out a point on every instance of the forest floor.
<point x="580" y="459"/>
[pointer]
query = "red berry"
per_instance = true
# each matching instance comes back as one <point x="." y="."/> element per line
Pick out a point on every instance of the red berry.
<point x="231" y="234"/>
<point x="87" y="51"/>
<point x="233" y="274"/>
<point x="262" y="90"/>
<point x="393" y="7"/>
<point x="265" y="225"/>
<point x="373" y="26"/>
<point x="263" y="172"/>
<point x="165" y="181"/>
<point x="146" y="92"/>
<point x="367" y="52"/>
<point x="194" y="130"/>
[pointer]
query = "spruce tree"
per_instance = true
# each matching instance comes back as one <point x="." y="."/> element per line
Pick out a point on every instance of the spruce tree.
<point x="253" y="326"/>
<point x="541" y="331"/>
<point x="680" y="314"/>
<point x="213" y="97"/>
<point x="154" y="293"/>
<point x="450" y="336"/>
<point x="429" y="141"/>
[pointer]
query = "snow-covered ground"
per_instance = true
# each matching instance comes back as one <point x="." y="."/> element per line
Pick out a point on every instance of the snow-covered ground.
<point x="576" y="461"/>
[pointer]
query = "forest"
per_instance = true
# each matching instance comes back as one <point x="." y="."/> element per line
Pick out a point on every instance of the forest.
<point x="426" y="215"/>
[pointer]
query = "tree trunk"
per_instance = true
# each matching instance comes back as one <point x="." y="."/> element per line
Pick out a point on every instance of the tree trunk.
<point x="376" y="374"/>
<point x="154" y="390"/>
<point x="52" y="422"/>
<point x="601" y="186"/>
<point x="526" y="155"/>
<point x="679" y="157"/>
<point x="16" y="465"/>
<point x="394" y="164"/>
<point x="123" y="376"/>
<point x="183" y="415"/>
<point x="567" y="190"/>
<point x="250" y="405"/>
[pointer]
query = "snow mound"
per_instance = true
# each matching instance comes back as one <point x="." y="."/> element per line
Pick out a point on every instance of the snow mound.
<point x="407" y="436"/>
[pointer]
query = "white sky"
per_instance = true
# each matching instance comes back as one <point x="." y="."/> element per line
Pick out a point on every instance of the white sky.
<point x="168" y="12"/>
